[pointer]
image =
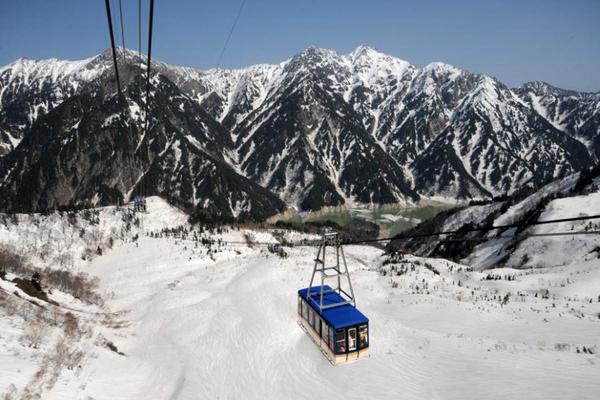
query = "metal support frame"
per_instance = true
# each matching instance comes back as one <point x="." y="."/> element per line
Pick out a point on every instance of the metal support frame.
<point x="331" y="239"/>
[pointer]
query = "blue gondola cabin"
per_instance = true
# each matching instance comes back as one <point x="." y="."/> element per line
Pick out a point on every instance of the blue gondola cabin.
<point x="340" y="330"/>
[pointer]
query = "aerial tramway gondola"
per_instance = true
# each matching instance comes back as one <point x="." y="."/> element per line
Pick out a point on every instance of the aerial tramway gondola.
<point x="329" y="314"/>
<point x="139" y="204"/>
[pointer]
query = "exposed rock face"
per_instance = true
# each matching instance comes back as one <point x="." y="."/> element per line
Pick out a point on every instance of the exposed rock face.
<point x="320" y="129"/>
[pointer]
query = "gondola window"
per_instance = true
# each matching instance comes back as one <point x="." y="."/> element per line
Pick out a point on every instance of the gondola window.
<point x="340" y="339"/>
<point x="324" y="331"/>
<point x="363" y="336"/>
<point x="351" y="339"/>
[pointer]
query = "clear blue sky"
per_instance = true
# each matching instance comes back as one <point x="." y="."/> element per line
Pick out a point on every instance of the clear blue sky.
<point x="557" y="41"/>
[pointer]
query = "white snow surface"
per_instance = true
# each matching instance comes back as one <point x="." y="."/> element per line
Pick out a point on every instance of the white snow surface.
<point x="563" y="250"/>
<point x="60" y="240"/>
<point x="193" y="324"/>
<point x="470" y="215"/>
<point x="518" y="210"/>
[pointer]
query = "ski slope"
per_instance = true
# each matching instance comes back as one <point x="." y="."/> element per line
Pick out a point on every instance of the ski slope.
<point x="193" y="325"/>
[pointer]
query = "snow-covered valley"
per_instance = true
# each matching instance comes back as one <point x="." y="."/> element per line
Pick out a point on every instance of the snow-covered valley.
<point x="184" y="319"/>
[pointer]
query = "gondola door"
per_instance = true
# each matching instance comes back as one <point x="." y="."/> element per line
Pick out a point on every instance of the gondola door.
<point x="351" y="339"/>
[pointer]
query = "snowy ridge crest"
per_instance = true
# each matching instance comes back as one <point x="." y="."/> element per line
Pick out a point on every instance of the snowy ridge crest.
<point x="303" y="128"/>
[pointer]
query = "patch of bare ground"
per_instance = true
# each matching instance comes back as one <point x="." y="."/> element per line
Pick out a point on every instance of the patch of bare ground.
<point x="33" y="289"/>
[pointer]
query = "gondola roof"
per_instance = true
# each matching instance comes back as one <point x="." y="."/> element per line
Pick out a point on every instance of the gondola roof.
<point x="340" y="316"/>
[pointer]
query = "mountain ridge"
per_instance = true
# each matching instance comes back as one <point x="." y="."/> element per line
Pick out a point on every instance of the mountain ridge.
<point x="326" y="129"/>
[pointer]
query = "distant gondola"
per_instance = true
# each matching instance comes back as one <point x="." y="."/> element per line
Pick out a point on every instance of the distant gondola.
<point x="139" y="204"/>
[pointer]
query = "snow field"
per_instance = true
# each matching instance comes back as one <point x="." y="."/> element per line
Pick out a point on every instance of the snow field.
<point x="193" y="323"/>
<point x="226" y="329"/>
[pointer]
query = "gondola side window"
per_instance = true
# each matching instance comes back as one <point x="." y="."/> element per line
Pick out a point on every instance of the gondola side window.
<point x="299" y="305"/>
<point x="331" y="339"/>
<point x="305" y="310"/>
<point x="311" y="317"/>
<point x="363" y="336"/>
<point x="324" y="330"/>
<point x="340" y="340"/>
<point x="351" y="339"/>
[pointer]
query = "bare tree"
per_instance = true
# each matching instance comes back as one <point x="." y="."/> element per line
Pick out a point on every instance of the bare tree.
<point x="34" y="333"/>
<point x="71" y="326"/>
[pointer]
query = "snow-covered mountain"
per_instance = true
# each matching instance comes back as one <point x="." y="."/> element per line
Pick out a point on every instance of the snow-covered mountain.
<point x="319" y="129"/>
<point x="88" y="150"/>
<point x="31" y="88"/>
<point x="576" y="195"/>
<point x="494" y="143"/>
<point x="576" y="113"/>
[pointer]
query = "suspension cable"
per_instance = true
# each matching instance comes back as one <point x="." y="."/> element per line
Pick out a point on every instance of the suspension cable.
<point x="317" y="242"/>
<point x="150" y="25"/>
<point x="423" y="236"/>
<point x="114" y="51"/>
<point x="471" y="230"/>
<point x="520" y="236"/>
<point x="140" y="92"/>
<point x="140" y="43"/>
<point x="122" y="30"/>
<point x="235" y="21"/>
<point x="443" y="240"/>
<point x="148" y="66"/>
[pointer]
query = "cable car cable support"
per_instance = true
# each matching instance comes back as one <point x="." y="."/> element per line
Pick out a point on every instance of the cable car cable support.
<point x="113" y="47"/>
<point x="226" y="44"/>
<point x="122" y="30"/>
<point x="425" y="236"/>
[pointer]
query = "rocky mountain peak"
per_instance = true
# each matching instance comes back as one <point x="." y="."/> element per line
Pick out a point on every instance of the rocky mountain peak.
<point x="321" y="129"/>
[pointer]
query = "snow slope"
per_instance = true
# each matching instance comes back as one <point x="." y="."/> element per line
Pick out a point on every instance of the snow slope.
<point x="573" y="196"/>
<point x="66" y="239"/>
<point x="227" y="329"/>
<point x="545" y="251"/>
<point x="554" y="251"/>
<point x="195" y="322"/>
